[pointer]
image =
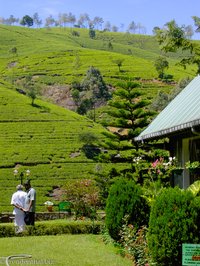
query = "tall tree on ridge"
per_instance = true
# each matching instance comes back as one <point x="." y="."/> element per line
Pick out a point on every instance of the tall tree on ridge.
<point x="27" y="21"/>
<point x="97" y="22"/>
<point x="132" y="27"/>
<point x="107" y="26"/>
<point x="71" y="18"/>
<point x="84" y="20"/>
<point x="50" y="21"/>
<point x="36" y="20"/>
<point x="12" y="20"/>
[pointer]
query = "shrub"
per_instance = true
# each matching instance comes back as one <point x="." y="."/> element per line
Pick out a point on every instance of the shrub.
<point x="75" y="33"/>
<point x="125" y="198"/>
<point x="174" y="219"/>
<point x="84" y="196"/>
<point x="134" y="243"/>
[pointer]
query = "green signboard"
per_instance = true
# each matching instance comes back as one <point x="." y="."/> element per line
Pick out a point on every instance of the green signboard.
<point x="191" y="254"/>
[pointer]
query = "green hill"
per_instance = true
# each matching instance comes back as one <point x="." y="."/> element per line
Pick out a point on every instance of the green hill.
<point x="51" y="55"/>
<point x="43" y="137"/>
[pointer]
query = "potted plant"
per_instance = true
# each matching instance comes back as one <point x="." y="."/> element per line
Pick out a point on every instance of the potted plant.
<point x="193" y="166"/>
<point x="49" y="205"/>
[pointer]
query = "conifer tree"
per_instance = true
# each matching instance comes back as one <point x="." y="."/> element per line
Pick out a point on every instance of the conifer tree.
<point x="128" y="110"/>
<point x="128" y="115"/>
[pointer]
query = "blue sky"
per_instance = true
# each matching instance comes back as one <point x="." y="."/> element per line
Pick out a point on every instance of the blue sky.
<point x="149" y="13"/>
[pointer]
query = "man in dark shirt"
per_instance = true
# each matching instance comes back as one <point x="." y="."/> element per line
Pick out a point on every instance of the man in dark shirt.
<point x="30" y="203"/>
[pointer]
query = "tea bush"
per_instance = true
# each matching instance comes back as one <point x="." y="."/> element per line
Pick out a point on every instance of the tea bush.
<point x="174" y="219"/>
<point x="125" y="198"/>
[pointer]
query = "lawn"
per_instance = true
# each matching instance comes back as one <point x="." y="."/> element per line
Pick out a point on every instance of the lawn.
<point x="72" y="250"/>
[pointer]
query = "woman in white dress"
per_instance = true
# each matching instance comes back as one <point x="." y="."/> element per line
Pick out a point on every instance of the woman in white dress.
<point x="18" y="201"/>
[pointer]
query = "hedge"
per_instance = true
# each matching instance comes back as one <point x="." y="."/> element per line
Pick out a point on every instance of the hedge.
<point x="53" y="228"/>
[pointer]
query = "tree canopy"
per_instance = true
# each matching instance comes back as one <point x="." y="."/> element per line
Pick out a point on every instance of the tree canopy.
<point x="27" y="21"/>
<point x="173" y="38"/>
<point x="161" y="64"/>
<point x="91" y="92"/>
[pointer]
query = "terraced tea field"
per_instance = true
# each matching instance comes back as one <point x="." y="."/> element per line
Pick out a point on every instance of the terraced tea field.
<point x="43" y="138"/>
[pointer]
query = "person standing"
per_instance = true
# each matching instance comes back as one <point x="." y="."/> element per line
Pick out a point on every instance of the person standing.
<point x="18" y="201"/>
<point x="30" y="203"/>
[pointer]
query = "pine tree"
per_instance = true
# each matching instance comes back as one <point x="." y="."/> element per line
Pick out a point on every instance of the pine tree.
<point x="128" y="115"/>
<point x="128" y="110"/>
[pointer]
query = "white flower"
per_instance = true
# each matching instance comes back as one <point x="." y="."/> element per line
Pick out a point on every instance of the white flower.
<point x="49" y="203"/>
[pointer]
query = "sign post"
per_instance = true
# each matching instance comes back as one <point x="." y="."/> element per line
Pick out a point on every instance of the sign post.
<point x="190" y="254"/>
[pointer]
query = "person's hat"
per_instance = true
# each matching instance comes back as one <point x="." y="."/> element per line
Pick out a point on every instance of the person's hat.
<point x="19" y="187"/>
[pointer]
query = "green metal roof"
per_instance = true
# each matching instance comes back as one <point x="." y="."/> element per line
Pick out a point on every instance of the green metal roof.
<point x="181" y="113"/>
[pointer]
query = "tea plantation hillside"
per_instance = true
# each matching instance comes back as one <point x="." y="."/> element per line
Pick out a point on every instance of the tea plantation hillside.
<point x="59" y="56"/>
<point x="43" y="138"/>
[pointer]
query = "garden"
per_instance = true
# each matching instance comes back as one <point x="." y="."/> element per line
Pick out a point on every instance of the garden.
<point x="119" y="222"/>
<point x="144" y="219"/>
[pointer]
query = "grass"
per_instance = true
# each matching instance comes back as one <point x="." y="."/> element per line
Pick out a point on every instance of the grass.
<point x="66" y="250"/>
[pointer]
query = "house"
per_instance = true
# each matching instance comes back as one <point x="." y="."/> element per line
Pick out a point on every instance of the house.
<point x="180" y="122"/>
